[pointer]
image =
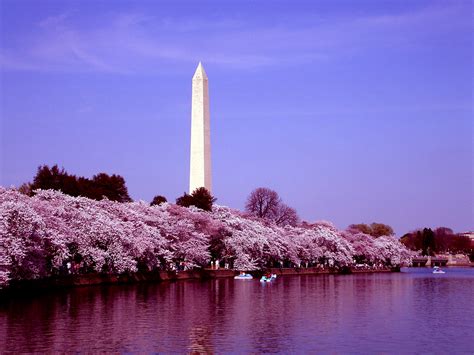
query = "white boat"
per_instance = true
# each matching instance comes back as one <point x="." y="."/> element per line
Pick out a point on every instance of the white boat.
<point x="243" y="276"/>
<point x="268" y="279"/>
<point x="437" y="270"/>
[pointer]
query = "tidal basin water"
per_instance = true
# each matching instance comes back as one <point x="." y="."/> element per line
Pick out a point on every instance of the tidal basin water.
<point x="413" y="311"/>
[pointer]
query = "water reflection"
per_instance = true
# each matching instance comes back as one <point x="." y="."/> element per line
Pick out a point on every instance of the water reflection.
<point x="326" y="313"/>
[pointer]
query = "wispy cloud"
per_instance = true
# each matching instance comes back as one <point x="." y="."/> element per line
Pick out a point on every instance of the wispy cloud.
<point x="54" y="20"/>
<point x="128" y="43"/>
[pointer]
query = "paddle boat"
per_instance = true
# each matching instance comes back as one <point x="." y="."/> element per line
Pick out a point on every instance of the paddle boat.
<point x="266" y="278"/>
<point x="243" y="276"/>
<point x="437" y="270"/>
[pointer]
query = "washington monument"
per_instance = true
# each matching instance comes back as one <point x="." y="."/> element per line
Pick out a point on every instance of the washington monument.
<point x="200" y="169"/>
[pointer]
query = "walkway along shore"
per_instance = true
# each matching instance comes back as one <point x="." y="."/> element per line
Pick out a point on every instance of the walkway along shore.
<point x="94" y="279"/>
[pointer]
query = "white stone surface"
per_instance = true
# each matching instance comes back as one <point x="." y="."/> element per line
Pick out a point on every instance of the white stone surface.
<point x="200" y="169"/>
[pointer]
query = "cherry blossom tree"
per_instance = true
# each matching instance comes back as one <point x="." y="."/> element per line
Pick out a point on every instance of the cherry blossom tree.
<point x="42" y="233"/>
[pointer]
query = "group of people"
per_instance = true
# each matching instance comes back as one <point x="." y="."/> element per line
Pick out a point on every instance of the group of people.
<point x="215" y="265"/>
<point x="181" y="266"/>
<point x="70" y="267"/>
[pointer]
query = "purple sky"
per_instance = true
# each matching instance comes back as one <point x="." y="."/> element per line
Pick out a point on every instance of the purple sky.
<point x="354" y="111"/>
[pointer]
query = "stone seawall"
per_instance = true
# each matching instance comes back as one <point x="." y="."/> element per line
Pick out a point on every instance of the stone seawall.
<point x="160" y="276"/>
<point x="106" y="279"/>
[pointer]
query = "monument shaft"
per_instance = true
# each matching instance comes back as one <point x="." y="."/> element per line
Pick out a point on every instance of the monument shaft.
<point x="200" y="169"/>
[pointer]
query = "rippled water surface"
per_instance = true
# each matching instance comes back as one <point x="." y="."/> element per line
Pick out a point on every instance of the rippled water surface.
<point x="407" y="312"/>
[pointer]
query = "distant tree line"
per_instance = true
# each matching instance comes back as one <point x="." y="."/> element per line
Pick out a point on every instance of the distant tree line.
<point x="102" y="185"/>
<point x="99" y="186"/>
<point x="438" y="241"/>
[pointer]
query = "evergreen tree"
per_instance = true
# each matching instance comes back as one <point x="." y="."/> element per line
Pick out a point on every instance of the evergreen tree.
<point x="428" y="238"/>
<point x="200" y="198"/>
<point x="101" y="185"/>
<point x="158" y="200"/>
<point x="203" y="199"/>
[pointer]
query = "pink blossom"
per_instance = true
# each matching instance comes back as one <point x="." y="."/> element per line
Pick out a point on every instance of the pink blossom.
<point x="40" y="234"/>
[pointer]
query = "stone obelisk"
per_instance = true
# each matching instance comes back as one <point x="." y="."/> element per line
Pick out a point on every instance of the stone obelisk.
<point x="200" y="170"/>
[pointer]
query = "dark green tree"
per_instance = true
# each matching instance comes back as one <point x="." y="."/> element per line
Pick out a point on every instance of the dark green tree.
<point x="158" y="200"/>
<point x="56" y="179"/>
<point x="101" y="185"/>
<point x="185" y="201"/>
<point x="203" y="199"/>
<point x="200" y="198"/>
<point x="428" y="246"/>
<point x="113" y="187"/>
